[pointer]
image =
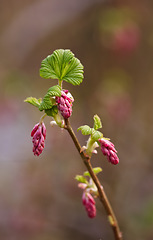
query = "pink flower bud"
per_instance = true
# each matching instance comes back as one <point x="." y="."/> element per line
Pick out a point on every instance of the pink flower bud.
<point x="113" y="158"/>
<point x="64" y="104"/>
<point x="34" y="129"/>
<point x="89" y="204"/>
<point x="109" y="150"/>
<point x="44" y="130"/>
<point x="38" y="135"/>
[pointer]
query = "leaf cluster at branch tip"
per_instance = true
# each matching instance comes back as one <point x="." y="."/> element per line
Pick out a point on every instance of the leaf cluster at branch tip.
<point x="82" y="179"/>
<point x="61" y="65"/>
<point x="95" y="134"/>
<point x="48" y="102"/>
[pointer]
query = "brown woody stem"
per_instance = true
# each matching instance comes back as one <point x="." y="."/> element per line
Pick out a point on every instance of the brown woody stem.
<point x="102" y="195"/>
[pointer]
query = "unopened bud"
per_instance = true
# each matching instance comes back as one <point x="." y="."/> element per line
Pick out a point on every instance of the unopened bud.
<point x="38" y="135"/>
<point x="64" y="104"/>
<point x="89" y="204"/>
<point x="108" y="149"/>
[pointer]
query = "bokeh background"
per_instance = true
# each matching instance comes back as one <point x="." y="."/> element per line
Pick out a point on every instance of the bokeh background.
<point x="39" y="197"/>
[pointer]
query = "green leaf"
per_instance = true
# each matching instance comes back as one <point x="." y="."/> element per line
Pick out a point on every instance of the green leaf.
<point x="62" y="65"/>
<point x="52" y="112"/>
<point x="54" y="91"/>
<point x="86" y="174"/>
<point x="95" y="135"/>
<point x="97" y="122"/>
<point x="81" y="179"/>
<point x="86" y="130"/>
<point x="48" y="102"/>
<point x="34" y="101"/>
<point x="95" y="170"/>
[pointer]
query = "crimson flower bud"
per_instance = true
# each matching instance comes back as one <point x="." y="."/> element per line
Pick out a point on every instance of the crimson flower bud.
<point x="38" y="135"/>
<point x="109" y="150"/>
<point x="89" y="204"/>
<point x="64" y="104"/>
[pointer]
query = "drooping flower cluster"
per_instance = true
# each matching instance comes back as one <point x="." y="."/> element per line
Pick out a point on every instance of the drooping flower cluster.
<point x="109" y="150"/>
<point x="64" y="104"/>
<point x="87" y="199"/>
<point x="89" y="203"/>
<point x="38" y="135"/>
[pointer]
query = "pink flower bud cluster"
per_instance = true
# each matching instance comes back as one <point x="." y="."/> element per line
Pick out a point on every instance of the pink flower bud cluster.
<point x="38" y="135"/>
<point x="109" y="150"/>
<point x="64" y="104"/>
<point x="89" y="204"/>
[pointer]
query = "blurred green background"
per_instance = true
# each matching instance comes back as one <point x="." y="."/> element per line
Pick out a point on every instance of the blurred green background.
<point x="39" y="197"/>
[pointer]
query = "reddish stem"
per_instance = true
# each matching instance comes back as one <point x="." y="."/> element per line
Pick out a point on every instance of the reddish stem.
<point x="102" y="195"/>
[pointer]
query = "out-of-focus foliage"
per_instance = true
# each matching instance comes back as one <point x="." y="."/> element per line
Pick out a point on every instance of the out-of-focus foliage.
<point x="114" y="41"/>
<point x="120" y="30"/>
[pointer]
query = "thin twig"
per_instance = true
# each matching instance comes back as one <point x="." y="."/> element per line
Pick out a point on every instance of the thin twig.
<point x="102" y="195"/>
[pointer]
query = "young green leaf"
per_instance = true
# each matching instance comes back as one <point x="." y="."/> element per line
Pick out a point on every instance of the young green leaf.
<point x="34" y="101"/>
<point x="54" y="91"/>
<point x="86" y="174"/>
<point x="96" y="170"/>
<point x="97" y="122"/>
<point x="52" y="112"/>
<point x="62" y="65"/>
<point x="95" y="135"/>
<point x="86" y="130"/>
<point x="81" y="179"/>
<point x="47" y="102"/>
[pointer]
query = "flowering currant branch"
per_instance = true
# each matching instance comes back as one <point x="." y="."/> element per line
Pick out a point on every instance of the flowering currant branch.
<point x="101" y="193"/>
<point x="57" y="103"/>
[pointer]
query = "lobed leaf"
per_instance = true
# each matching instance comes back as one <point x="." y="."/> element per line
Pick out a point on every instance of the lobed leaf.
<point x="97" y="122"/>
<point x="47" y="102"/>
<point x="34" y="101"/>
<point x="95" y="135"/>
<point x="85" y="130"/>
<point x="52" y="112"/>
<point x="54" y="91"/>
<point x="62" y="65"/>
